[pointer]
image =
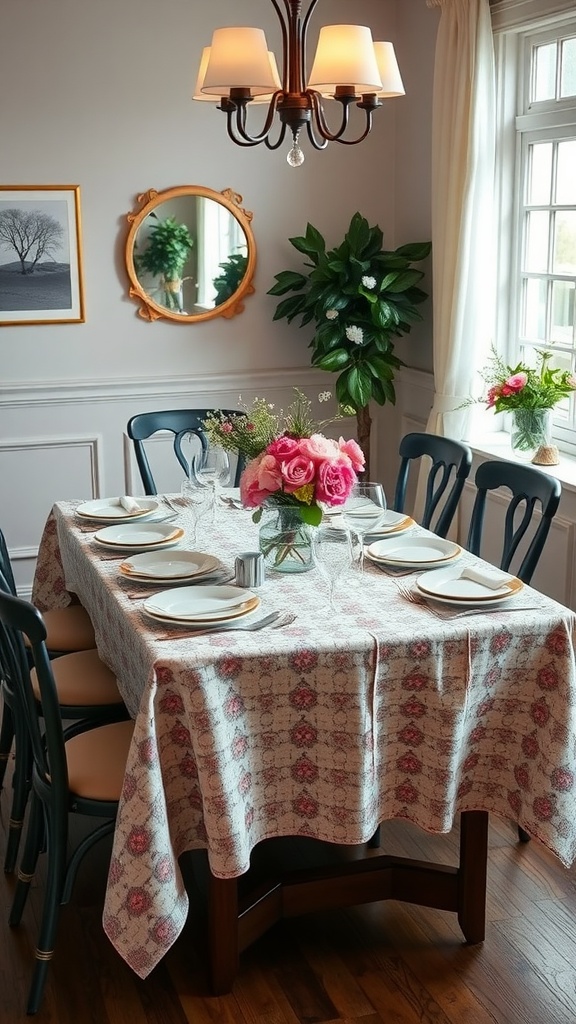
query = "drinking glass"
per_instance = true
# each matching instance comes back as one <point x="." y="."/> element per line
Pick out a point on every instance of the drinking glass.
<point x="333" y="555"/>
<point x="198" y="501"/>
<point x="364" y="511"/>
<point x="212" y="469"/>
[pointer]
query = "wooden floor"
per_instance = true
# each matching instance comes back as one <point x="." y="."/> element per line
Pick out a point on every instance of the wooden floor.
<point x="385" y="963"/>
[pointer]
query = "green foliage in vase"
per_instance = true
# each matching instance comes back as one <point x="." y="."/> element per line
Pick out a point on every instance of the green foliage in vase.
<point x="359" y="297"/>
<point x="169" y="245"/>
<point x="226" y="283"/>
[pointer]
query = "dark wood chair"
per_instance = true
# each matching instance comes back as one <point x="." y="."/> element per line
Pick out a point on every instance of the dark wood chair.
<point x="523" y="536"/>
<point x="451" y="462"/>
<point x="86" y="689"/>
<point x="178" y="422"/>
<point x="80" y="771"/>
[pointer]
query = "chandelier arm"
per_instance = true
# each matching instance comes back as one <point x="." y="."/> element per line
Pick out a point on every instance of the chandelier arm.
<point x="318" y="109"/>
<point x="317" y="143"/>
<point x="279" y="140"/>
<point x="236" y="125"/>
<point x="278" y="10"/>
<point x="303" y="36"/>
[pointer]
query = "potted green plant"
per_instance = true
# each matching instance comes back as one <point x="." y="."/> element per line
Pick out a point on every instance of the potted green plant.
<point x="168" y="248"/>
<point x="360" y="297"/>
<point x="226" y="283"/>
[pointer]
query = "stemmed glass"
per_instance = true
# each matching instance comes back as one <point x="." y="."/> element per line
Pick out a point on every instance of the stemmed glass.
<point x="333" y="554"/>
<point x="211" y="469"/>
<point x="364" y="511"/>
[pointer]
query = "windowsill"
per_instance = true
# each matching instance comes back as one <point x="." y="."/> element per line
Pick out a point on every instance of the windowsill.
<point x="497" y="445"/>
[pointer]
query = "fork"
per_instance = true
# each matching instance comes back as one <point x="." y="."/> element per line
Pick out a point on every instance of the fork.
<point x="171" y="505"/>
<point x="275" y="620"/>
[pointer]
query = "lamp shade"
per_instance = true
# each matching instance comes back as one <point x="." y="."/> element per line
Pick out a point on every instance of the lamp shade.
<point x="345" y="56"/>
<point x="216" y="96"/>
<point x="389" y="71"/>
<point x="238" y="60"/>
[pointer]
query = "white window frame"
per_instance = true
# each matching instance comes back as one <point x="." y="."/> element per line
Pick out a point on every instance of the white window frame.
<point x="518" y="24"/>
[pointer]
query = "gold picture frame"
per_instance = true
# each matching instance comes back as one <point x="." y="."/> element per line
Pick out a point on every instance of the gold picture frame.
<point x="41" y="275"/>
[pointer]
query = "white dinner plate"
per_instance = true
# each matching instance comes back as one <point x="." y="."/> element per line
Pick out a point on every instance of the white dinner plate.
<point x="169" y="565"/>
<point x="139" y="535"/>
<point x="447" y="586"/>
<point x="109" y="510"/>
<point x="201" y="603"/>
<point x="414" y="552"/>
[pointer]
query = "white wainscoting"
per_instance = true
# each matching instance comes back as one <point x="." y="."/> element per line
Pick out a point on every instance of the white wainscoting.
<point x="68" y="440"/>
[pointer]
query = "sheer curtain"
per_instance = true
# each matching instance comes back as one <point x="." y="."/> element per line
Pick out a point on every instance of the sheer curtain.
<point x="463" y="252"/>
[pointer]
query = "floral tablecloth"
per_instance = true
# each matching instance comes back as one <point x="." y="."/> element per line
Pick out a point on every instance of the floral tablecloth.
<point x="324" y="728"/>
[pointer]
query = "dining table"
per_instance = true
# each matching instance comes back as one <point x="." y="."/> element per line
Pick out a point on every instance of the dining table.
<point x="389" y="708"/>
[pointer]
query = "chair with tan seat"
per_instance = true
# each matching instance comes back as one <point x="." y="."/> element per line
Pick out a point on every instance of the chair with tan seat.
<point x="81" y="773"/>
<point x="86" y="690"/>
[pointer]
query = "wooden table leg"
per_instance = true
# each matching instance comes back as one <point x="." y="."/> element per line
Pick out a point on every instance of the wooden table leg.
<point x="223" y="932"/>
<point x="472" y="874"/>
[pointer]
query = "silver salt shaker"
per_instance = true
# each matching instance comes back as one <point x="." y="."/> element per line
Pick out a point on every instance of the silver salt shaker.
<point x="249" y="568"/>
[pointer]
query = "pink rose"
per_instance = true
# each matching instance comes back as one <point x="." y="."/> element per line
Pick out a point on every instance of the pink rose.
<point x="354" y="452"/>
<point x="318" y="447"/>
<point x="261" y="477"/>
<point x="297" y="472"/>
<point x="516" y="382"/>
<point x="282" y="447"/>
<point x="336" y="478"/>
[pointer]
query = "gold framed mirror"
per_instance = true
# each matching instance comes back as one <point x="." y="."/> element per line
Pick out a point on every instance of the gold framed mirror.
<point x="190" y="254"/>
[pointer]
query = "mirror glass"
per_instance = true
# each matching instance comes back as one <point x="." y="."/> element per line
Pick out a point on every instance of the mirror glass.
<point x="190" y="254"/>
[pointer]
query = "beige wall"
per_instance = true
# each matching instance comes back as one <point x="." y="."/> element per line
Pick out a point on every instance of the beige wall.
<point x="98" y="95"/>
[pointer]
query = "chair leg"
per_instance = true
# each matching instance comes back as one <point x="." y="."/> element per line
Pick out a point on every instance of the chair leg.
<point x="55" y="875"/>
<point x="523" y="836"/>
<point x="6" y="740"/>
<point x="32" y="847"/>
<point x="21" y="787"/>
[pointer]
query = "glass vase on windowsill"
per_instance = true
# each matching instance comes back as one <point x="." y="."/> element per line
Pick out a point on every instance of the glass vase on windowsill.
<point x="530" y="429"/>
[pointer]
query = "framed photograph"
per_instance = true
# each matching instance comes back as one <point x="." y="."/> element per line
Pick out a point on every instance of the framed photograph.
<point x="40" y="255"/>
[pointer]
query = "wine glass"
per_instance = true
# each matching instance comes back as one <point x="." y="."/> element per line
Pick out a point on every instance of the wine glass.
<point x="212" y="469"/>
<point x="364" y="511"/>
<point x="333" y="554"/>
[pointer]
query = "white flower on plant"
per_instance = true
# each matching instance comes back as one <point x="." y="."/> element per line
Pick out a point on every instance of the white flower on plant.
<point x="369" y="282"/>
<point x="355" y="334"/>
<point x="324" y="396"/>
<point x="331" y="314"/>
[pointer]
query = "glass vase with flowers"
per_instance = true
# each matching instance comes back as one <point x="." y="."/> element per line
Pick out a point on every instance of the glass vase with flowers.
<point x="530" y="394"/>
<point x="292" y="471"/>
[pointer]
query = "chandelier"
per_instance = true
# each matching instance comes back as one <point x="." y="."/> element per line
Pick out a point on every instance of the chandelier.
<point x="238" y="69"/>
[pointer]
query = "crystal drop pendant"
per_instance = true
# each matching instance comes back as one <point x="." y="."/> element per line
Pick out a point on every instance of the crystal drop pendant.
<point x="295" y="157"/>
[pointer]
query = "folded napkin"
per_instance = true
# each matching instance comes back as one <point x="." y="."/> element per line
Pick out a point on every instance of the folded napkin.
<point x="130" y="504"/>
<point x="491" y="578"/>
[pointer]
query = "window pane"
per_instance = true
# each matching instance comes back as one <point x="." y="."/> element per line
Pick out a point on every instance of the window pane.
<point x="565" y="242"/>
<point x="536" y="253"/>
<point x="566" y="173"/>
<point x="562" y="325"/>
<point x="534" y="326"/>
<point x="568" y="68"/>
<point x="540" y="174"/>
<point x="544" y="87"/>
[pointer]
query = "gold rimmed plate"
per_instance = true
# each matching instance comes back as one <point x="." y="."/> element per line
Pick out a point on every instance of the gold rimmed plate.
<point x="110" y="510"/>
<point x="448" y="586"/>
<point x="201" y="604"/>
<point x="414" y="552"/>
<point x="138" y="535"/>
<point x="168" y="565"/>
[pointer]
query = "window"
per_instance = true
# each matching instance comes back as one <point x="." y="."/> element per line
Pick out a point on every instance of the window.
<point x="537" y="170"/>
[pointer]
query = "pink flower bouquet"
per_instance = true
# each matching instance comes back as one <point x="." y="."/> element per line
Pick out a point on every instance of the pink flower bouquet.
<point x="290" y="463"/>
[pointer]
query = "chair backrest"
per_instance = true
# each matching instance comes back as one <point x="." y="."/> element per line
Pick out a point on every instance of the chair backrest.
<point x="451" y="464"/>
<point x="530" y="488"/>
<point x="8" y="582"/>
<point x="18" y="617"/>
<point x="178" y="422"/>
